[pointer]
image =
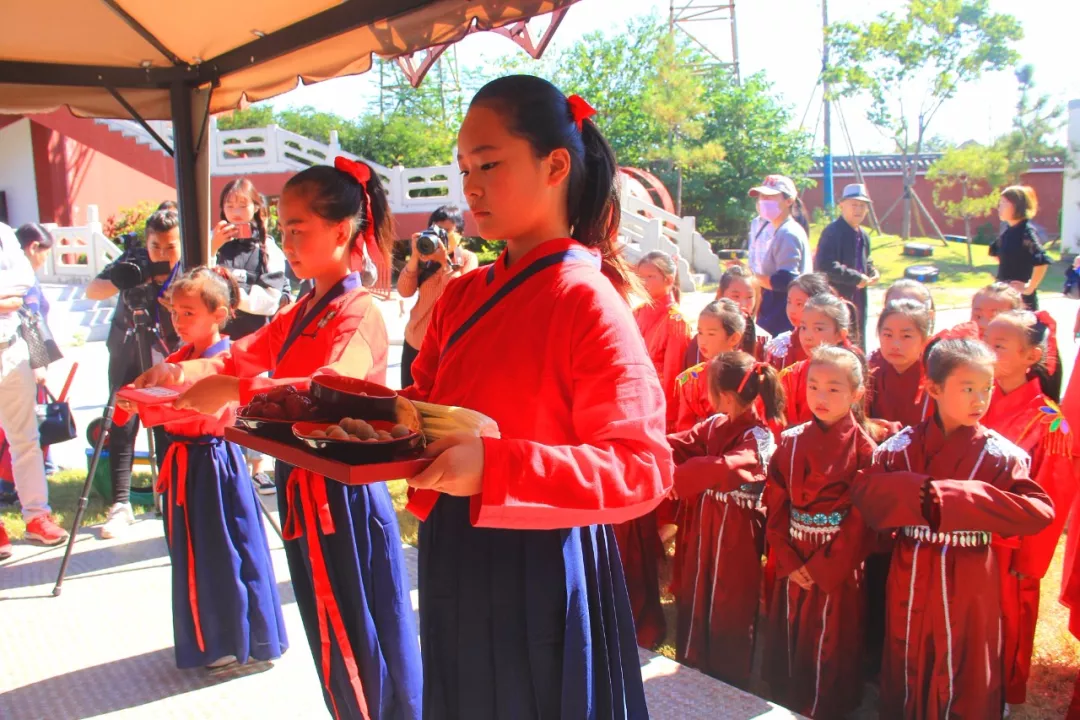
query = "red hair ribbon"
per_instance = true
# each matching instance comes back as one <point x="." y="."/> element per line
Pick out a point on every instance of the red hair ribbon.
<point x="580" y="110"/>
<point x="963" y="331"/>
<point x="1051" y="340"/>
<point x="758" y="368"/>
<point x="362" y="173"/>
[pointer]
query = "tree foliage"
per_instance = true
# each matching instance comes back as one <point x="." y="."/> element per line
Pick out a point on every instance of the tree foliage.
<point x="1036" y="121"/>
<point x="979" y="172"/>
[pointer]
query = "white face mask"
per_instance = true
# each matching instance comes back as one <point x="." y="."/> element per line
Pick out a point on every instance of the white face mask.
<point x="769" y="209"/>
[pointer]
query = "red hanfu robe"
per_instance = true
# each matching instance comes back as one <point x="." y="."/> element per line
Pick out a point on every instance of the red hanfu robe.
<point x="720" y="475"/>
<point x="943" y="644"/>
<point x="785" y="349"/>
<point x="898" y="397"/>
<point x="813" y="655"/>
<point x="793" y="379"/>
<point x="1032" y="421"/>
<point x="692" y="390"/>
<point x="581" y="419"/>
<point x="667" y="337"/>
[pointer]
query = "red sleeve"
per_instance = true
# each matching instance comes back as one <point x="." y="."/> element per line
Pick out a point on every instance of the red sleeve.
<point x="1011" y="505"/>
<point x="674" y="357"/>
<point x="1057" y="476"/>
<point x="778" y="520"/>
<point x="789" y="380"/>
<point x="691" y="443"/>
<point x="832" y="564"/>
<point x="888" y="499"/>
<point x="621" y="467"/>
<point x="740" y="465"/>
<point x="684" y="416"/>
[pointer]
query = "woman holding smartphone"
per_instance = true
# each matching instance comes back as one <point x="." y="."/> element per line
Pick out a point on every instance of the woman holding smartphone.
<point x="243" y="245"/>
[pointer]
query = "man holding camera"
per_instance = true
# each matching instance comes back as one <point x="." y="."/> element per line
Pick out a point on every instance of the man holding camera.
<point x="437" y="258"/>
<point x="141" y="276"/>
<point x="18" y="391"/>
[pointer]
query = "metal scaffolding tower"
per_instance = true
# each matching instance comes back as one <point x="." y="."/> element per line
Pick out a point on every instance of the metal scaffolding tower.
<point x="710" y="24"/>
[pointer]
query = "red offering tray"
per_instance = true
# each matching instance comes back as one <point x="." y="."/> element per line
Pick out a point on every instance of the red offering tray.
<point x="155" y="404"/>
<point x="301" y="457"/>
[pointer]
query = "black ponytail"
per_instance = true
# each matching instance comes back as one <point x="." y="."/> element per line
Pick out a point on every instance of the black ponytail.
<point x="539" y="112"/>
<point x="798" y="212"/>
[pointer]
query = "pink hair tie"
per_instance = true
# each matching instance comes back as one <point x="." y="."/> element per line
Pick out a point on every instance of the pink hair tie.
<point x="758" y="368"/>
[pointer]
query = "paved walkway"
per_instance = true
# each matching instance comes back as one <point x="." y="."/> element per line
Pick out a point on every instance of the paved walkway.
<point x="104" y="647"/>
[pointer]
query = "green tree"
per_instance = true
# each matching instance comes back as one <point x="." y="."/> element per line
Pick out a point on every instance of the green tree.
<point x="926" y="52"/>
<point x="675" y="97"/>
<point x="1036" y="121"/>
<point x="979" y="173"/>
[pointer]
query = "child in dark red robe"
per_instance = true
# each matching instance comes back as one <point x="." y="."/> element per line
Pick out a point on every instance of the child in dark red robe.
<point x="787" y="348"/>
<point x="721" y="328"/>
<point x="826" y="320"/>
<point x="1024" y="409"/>
<point x="908" y="289"/>
<point x="225" y="598"/>
<point x="523" y="605"/>
<point x="342" y="542"/>
<point x="719" y="480"/>
<point x="946" y="487"/>
<point x="813" y="653"/>
<point x="991" y="301"/>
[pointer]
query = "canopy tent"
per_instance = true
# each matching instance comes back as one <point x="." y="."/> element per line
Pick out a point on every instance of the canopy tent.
<point x="183" y="62"/>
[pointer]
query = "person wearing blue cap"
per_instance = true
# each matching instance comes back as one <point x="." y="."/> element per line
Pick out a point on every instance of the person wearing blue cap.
<point x="843" y="253"/>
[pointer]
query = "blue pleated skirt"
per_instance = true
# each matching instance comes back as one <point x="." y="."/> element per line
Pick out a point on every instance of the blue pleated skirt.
<point x="524" y="624"/>
<point x="239" y="608"/>
<point x="367" y="572"/>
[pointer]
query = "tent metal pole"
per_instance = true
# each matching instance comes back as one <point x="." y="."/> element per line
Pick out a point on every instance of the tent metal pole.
<point x="141" y="120"/>
<point x="187" y="196"/>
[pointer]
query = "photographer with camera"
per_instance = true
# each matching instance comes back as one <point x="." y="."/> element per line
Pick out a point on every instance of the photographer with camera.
<point x="437" y="258"/>
<point x="141" y="276"/>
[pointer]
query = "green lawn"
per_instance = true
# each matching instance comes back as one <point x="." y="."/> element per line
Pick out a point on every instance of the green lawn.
<point x="64" y="489"/>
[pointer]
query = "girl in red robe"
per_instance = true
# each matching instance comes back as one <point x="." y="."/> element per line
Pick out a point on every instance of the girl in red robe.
<point x="738" y="284"/>
<point x="524" y="610"/>
<point x="991" y="301"/>
<point x="908" y="289"/>
<point x="946" y="487"/>
<point x="224" y="594"/>
<point x="721" y="327"/>
<point x="787" y="348"/>
<point x="1024" y="409"/>
<point x="813" y="660"/>
<point x="342" y="542"/>
<point x="826" y="320"/>
<point x="666" y="331"/>
<point x="719" y="479"/>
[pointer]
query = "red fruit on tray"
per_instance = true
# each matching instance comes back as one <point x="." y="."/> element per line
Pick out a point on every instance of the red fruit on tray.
<point x="297" y="406"/>
<point x="273" y="411"/>
<point x="280" y="393"/>
<point x="255" y="409"/>
<point x="260" y="398"/>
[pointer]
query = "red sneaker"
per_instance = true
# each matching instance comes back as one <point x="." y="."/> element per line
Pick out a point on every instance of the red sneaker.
<point x="44" y="530"/>
<point x="5" y="543"/>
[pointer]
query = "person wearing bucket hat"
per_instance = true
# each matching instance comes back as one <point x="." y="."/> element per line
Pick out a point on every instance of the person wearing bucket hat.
<point x="843" y="253"/>
<point x="787" y="255"/>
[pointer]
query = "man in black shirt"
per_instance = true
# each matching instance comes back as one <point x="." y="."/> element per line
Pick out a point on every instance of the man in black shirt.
<point x="843" y="254"/>
<point x="162" y="246"/>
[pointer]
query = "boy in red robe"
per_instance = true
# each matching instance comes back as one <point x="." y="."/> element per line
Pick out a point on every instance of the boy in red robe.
<point x="947" y="486"/>
<point x="1023" y="408"/>
<point x="813" y="657"/>
<point x="719" y="480"/>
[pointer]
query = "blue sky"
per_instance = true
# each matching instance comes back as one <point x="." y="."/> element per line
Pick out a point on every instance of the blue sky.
<point x="783" y="39"/>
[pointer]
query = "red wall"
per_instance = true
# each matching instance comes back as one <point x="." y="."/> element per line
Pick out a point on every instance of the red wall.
<point x="885" y="189"/>
<point x="72" y="175"/>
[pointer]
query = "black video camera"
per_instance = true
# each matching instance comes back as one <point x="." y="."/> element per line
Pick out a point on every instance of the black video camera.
<point x="135" y="271"/>
<point x="430" y="240"/>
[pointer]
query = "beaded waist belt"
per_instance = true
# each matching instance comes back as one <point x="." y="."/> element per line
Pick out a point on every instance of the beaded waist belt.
<point x="747" y="496"/>
<point x="816" y="526"/>
<point x="959" y="538"/>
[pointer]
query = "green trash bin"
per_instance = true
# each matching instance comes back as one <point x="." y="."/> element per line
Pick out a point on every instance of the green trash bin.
<point x="102" y="483"/>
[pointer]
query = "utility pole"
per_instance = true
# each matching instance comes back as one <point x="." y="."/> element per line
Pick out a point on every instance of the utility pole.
<point x="828" y="170"/>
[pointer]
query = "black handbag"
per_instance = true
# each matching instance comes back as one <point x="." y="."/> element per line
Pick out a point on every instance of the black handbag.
<point x="56" y="424"/>
<point x="39" y="340"/>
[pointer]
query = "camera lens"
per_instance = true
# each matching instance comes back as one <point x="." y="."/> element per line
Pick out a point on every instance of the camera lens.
<point x="427" y="243"/>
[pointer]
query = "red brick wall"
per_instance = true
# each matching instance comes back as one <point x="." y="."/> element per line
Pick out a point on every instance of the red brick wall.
<point x="885" y="189"/>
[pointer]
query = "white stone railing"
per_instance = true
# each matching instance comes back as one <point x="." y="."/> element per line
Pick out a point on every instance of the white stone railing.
<point x="79" y="253"/>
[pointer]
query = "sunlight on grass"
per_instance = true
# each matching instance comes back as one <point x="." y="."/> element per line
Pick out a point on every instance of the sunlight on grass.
<point x="64" y="489"/>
